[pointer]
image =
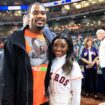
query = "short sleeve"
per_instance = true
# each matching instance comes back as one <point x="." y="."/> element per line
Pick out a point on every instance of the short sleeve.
<point x="76" y="72"/>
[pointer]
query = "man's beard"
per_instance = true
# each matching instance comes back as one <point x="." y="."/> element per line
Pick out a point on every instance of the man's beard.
<point x="39" y="27"/>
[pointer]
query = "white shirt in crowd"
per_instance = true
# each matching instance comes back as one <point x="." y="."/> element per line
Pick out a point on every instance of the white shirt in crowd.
<point x="102" y="53"/>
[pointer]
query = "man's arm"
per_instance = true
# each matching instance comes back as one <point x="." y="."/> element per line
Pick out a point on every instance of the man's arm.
<point x="7" y="75"/>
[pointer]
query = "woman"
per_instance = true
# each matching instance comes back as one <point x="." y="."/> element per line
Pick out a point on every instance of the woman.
<point x="63" y="77"/>
<point x="89" y="57"/>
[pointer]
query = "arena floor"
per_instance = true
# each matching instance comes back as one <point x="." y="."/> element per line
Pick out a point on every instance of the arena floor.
<point x="90" y="101"/>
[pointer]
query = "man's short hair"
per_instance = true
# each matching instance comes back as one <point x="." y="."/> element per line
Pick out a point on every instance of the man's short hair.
<point x="100" y="31"/>
<point x="36" y="3"/>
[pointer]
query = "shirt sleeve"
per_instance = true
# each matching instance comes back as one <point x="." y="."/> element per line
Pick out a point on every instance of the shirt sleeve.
<point x="82" y="54"/>
<point x="76" y="92"/>
<point x="76" y="72"/>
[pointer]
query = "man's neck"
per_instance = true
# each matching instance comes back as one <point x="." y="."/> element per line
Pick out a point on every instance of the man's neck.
<point x="35" y="31"/>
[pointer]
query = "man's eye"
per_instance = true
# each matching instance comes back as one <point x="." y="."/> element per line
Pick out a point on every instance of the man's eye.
<point x="36" y="12"/>
<point x="43" y="13"/>
<point x="39" y="12"/>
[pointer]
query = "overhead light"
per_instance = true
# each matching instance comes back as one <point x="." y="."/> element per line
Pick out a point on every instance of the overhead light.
<point x="84" y="16"/>
<point x="78" y="6"/>
<point x="64" y="11"/>
<point x="99" y="22"/>
<point x="47" y="9"/>
<point x="94" y="22"/>
<point x="75" y="4"/>
<point x="93" y="2"/>
<point x="87" y="24"/>
<point x="85" y="3"/>
<point x="67" y="7"/>
<point x="101" y="0"/>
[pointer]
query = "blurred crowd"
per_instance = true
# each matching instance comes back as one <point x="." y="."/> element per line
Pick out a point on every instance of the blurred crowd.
<point x="78" y="42"/>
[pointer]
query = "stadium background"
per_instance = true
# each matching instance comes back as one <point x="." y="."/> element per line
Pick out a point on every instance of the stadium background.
<point x="77" y="16"/>
<point x="80" y="18"/>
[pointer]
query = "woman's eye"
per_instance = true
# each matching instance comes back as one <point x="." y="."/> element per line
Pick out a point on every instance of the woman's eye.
<point x="62" y="46"/>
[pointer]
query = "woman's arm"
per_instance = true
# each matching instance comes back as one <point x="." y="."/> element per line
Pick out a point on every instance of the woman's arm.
<point x="85" y="61"/>
<point x="95" y="60"/>
<point x="76" y="91"/>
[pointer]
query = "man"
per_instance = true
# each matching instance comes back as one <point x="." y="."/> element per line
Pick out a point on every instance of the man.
<point x="101" y="36"/>
<point x="23" y="82"/>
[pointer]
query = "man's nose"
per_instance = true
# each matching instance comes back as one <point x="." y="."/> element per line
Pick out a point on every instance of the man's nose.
<point x="39" y="15"/>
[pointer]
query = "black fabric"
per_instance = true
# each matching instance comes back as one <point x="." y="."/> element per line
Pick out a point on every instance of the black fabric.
<point x="80" y="62"/>
<point x="17" y="88"/>
<point x="45" y="103"/>
<point x="17" y="79"/>
<point x="103" y="73"/>
<point x="91" y="81"/>
<point x="47" y="78"/>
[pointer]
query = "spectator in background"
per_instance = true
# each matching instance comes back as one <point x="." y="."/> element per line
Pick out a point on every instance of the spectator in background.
<point x="101" y="36"/>
<point x="76" y="49"/>
<point x="23" y="83"/>
<point x="1" y="52"/>
<point x="1" y="46"/>
<point x="90" y="56"/>
<point x="1" y="63"/>
<point x="25" y="20"/>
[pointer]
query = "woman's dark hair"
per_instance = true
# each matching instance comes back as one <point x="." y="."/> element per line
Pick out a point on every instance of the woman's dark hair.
<point x="69" y="56"/>
<point x="67" y="67"/>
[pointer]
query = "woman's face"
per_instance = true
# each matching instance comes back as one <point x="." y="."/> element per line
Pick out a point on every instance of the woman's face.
<point x="60" y="47"/>
<point x="89" y="43"/>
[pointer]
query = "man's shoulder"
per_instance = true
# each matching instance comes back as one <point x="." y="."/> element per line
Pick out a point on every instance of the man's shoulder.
<point x="16" y="37"/>
<point x="48" y="33"/>
<point x="16" y="33"/>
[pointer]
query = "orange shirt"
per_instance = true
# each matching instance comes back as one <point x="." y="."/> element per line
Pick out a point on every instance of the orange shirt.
<point x="36" y="47"/>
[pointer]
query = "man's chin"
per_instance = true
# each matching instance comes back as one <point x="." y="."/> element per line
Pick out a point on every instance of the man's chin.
<point x="40" y="27"/>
